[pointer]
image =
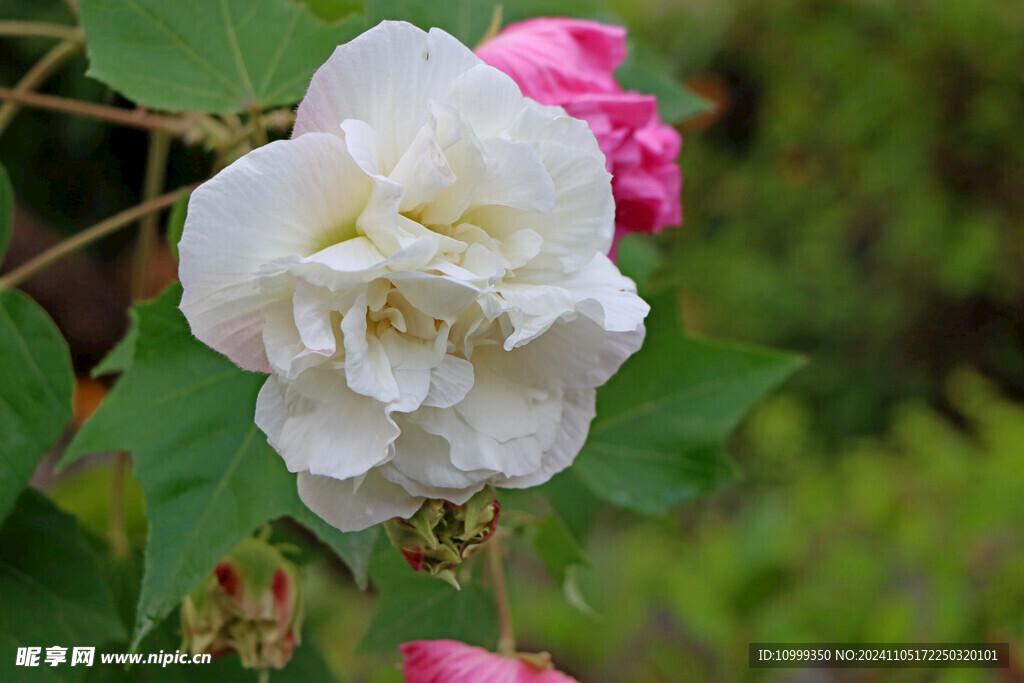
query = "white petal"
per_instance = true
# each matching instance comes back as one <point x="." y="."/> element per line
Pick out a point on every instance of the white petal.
<point x="280" y="200"/>
<point x="436" y="295"/>
<point x="502" y="408"/>
<point x="577" y="353"/>
<point x="367" y="366"/>
<point x="515" y="177"/>
<point x="313" y="319"/>
<point x="487" y="99"/>
<point x="450" y="381"/>
<point x="577" y="413"/>
<point x="583" y="219"/>
<point x="361" y="141"/>
<point x="423" y="170"/>
<point x="602" y="282"/>
<point x="329" y="429"/>
<point x="424" y="461"/>
<point x="385" y="77"/>
<point x="358" y="503"/>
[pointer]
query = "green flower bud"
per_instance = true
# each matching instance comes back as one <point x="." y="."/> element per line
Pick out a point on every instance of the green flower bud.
<point x="440" y="535"/>
<point x="250" y="603"/>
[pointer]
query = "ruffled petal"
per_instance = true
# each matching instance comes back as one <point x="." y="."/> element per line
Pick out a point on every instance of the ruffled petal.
<point x="357" y="503"/>
<point x="278" y="201"/>
<point x="418" y="66"/>
<point x="328" y="429"/>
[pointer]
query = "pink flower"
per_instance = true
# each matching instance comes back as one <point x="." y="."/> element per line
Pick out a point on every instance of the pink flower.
<point x="449" y="661"/>
<point x="570" y="62"/>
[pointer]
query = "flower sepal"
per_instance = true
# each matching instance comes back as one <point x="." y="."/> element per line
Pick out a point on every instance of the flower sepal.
<point x="441" y="535"/>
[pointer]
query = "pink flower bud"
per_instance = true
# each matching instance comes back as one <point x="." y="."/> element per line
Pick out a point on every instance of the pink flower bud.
<point x="449" y="661"/>
<point x="250" y="603"/>
<point x="570" y="62"/>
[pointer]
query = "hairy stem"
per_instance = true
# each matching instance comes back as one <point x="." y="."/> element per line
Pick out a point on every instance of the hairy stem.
<point x="156" y="165"/>
<point x="495" y="556"/>
<point x="39" y="29"/>
<point x="122" y="117"/>
<point x="88" y="236"/>
<point x="36" y="76"/>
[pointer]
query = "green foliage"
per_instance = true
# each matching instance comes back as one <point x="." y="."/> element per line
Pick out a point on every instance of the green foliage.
<point x="911" y="537"/>
<point x="644" y="72"/>
<point x="467" y="20"/>
<point x="661" y="421"/>
<point x="196" y="55"/>
<point x="51" y="587"/>
<point x="186" y="414"/>
<point x="35" y="394"/>
<point x="415" y="606"/>
<point x="176" y="222"/>
<point x="859" y="200"/>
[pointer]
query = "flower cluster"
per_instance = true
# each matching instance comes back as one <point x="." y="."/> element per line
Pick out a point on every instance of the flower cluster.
<point x="421" y="270"/>
<point x="570" y="62"/>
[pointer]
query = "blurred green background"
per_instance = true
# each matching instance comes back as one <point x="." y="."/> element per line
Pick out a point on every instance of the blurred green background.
<point x="858" y="197"/>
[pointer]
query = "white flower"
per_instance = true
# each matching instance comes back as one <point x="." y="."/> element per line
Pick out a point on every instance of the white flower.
<point x="421" y="270"/>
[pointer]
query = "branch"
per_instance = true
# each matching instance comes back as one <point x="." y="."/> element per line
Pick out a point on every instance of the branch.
<point x="35" y="77"/>
<point x="137" y="118"/>
<point x="88" y="236"/>
<point x="39" y="29"/>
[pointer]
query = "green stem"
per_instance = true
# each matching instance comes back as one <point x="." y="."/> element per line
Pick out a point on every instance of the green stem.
<point x="156" y="165"/>
<point x="122" y="117"/>
<point x="35" y="77"/>
<point x="39" y="29"/>
<point x="495" y="552"/>
<point x="88" y="236"/>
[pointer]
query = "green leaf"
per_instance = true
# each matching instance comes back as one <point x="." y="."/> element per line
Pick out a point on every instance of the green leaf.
<point x="639" y="259"/>
<point x="574" y="502"/>
<point x="35" y="392"/>
<point x="662" y="420"/>
<point x="6" y="211"/>
<point x="334" y="10"/>
<point x="467" y="20"/>
<point x="51" y="588"/>
<point x="220" y="56"/>
<point x="557" y="547"/>
<point x="186" y="414"/>
<point x="176" y="222"/>
<point x="415" y="606"/>
<point x="121" y="356"/>
<point x="645" y="73"/>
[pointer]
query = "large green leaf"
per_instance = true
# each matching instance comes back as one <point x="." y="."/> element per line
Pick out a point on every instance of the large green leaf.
<point x="51" y="593"/>
<point x="186" y="414"/>
<point x="416" y="606"/>
<point x="661" y="421"/>
<point x="221" y="56"/>
<point x="467" y="20"/>
<point x="35" y="391"/>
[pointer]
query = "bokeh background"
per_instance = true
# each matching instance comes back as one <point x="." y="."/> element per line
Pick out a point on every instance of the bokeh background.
<point x="857" y="196"/>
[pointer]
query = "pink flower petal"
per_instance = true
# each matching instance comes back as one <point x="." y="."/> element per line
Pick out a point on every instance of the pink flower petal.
<point x="571" y="63"/>
<point x="449" y="661"/>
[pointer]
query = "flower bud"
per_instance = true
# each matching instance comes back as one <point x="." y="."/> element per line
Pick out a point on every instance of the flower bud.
<point x="250" y="603"/>
<point x="440" y="535"/>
